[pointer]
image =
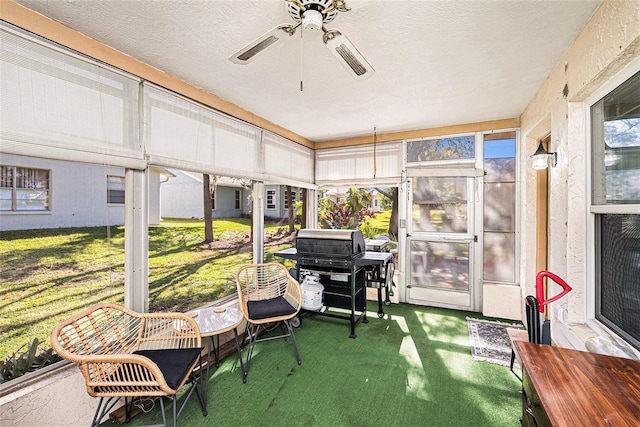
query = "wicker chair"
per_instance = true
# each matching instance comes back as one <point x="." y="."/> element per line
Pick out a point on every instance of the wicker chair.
<point x="267" y="294"/>
<point x="122" y="353"/>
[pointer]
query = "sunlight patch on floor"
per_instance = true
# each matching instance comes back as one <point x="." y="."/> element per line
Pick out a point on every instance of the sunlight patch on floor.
<point x="417" y="384"/>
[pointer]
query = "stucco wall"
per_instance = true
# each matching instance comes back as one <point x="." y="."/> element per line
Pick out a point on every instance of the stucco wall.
<point x="57" y="399"/>
<point x="609" y="42"/>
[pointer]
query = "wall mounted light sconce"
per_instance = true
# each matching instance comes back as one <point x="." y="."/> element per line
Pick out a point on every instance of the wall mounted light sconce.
<point x="541" y="156"/>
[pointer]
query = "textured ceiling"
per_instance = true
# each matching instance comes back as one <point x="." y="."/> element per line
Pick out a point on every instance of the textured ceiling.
<point x="437" y="63"/>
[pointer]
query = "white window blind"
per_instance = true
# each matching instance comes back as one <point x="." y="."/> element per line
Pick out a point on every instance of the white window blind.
<point x="292" y="163"/>
<point x="175" y="128"/>
<point x="59" y="105"/>
<point x="184" y="134"/>
<point x="355" y="165"/>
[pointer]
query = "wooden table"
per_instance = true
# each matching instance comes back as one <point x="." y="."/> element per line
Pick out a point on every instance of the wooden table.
<point x="562" y="387"/>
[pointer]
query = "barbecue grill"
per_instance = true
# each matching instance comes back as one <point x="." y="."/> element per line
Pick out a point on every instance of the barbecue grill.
<point x="329" y="248"/>
<point x="341" y="260"/>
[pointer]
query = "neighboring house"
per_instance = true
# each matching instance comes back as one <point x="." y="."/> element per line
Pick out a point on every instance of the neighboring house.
<point x="40" y="193"/>
<point x="182" y="197"/>
<point x="276" y="200"/>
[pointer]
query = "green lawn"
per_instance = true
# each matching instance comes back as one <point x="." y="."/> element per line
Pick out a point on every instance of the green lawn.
<point x="377" y="225"/>
<point x="49" y="275"/>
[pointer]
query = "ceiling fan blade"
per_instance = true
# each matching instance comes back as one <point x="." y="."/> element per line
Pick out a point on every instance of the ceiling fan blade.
<point x="340" y="46"/>
<point x="263" y="43"/>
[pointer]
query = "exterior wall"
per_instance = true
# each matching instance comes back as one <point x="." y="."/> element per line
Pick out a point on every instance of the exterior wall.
<point x="282" y="211"/>
<point x="154" y="196"/>
<point x="40" y="402"/>
<point x="78" y="196"/>
<point x="181" y="197"/>
<point x="376" y="202"/>
<point x="226" y="202"/>
<point x="609" y="42"/>
<point x="501" y="301"/>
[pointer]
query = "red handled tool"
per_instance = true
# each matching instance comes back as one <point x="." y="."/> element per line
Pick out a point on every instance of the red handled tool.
<point x="540" y="288"/>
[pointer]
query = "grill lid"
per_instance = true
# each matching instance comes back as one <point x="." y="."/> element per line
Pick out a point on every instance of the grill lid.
<point x="330" y="243"/>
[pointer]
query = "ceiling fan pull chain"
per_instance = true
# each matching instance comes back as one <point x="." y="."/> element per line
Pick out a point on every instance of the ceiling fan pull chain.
<point x="301" y="52"/>
<point x="375" y="140"/>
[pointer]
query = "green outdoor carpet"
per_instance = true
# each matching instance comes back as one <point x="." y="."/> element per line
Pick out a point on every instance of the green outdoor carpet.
<point x="411" y="368"/>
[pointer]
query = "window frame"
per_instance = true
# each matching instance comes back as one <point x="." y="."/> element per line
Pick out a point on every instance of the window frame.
<point x="14" y="190"/>
<point x="271" y="202"/>
<point x="594" y="211"/>
<point x="286" y="197"/>
<point x="111" y="191"/>
<point x="503" y="135"/>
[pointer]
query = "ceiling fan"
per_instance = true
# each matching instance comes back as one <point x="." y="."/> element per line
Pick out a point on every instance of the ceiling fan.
<point x="311" y="15"/>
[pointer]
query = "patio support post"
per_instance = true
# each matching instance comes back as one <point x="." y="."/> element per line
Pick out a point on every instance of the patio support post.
<point x="258" y="221"/>
<point x="312" y="208"/>
<point x="136" y="241"/>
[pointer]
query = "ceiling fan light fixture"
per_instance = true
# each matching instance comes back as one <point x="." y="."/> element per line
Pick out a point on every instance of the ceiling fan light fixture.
<point x="311" y="20"/>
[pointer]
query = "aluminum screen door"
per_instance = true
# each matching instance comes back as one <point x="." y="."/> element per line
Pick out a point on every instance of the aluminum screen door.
<point x="441" y="241"/>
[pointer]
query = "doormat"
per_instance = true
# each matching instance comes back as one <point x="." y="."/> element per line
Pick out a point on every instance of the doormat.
<point x="490" y="341"/>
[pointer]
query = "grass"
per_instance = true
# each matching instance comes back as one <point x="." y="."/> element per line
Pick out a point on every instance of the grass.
<point x="50" y="274"/>
<point x="411" y="368"/>
<point x="377" y="225"/>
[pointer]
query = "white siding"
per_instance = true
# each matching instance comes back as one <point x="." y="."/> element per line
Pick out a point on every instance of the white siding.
<point x="78" y="196"/>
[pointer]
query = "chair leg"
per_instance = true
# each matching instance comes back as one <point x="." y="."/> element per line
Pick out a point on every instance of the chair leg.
<point x="252" y="331"/>
<point x="283" y="329"/>
<point x="164" y="417"/>
<point x="175" y="410"/>
<point x="293" y="340"/>
<point x="104" y="406"/>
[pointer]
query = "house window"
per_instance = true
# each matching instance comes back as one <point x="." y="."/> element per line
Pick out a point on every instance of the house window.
<point x="271" y="199"/>
<point x="615" y="202"/>
<point x="24" y="189"/>
<point x="115" y="190"/>
<point x="286" y="198"/>
<point x="238" y="200"/>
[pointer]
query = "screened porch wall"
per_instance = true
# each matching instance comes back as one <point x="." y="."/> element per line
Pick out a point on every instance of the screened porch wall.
<point x="57" y="104"/>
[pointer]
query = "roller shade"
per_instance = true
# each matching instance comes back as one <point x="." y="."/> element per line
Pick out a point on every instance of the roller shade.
<point x="181" y="133"/>
<point x="60" y="105"/>
<point x="287" y="160"/>
<point x="355" y="165"/>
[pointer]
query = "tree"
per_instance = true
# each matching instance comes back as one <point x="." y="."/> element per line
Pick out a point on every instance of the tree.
<point x="392" y="195"/>
<point x="208" y="191"/>
<point x="292" y="218"/>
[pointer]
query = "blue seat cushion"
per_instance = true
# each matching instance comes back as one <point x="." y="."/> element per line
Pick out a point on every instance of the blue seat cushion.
<point x="174" y="363"/>
<point x="273" y="307"/>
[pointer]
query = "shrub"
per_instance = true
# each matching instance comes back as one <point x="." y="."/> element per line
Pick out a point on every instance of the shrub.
<point x="29" y="360"/>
